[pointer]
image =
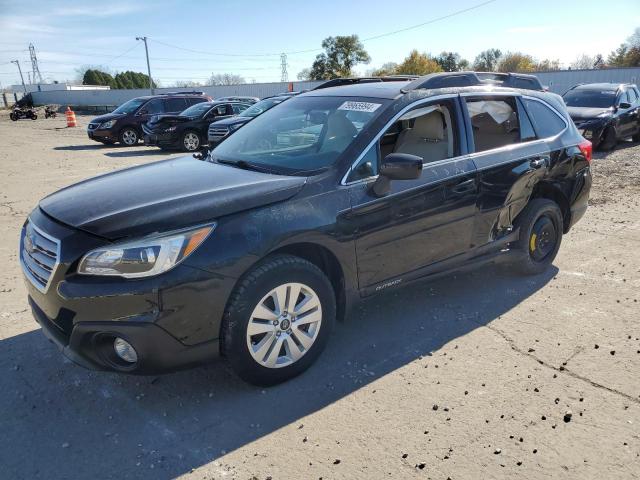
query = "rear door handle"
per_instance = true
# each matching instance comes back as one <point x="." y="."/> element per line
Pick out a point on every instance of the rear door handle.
<point x="464" y="186"/>
<point x="539" y="162"/>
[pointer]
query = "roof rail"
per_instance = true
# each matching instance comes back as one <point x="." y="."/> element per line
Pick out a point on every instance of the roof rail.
<point x="193" y="92"/>
<point x="339" y="82"/>
<point x="469" y="79"/>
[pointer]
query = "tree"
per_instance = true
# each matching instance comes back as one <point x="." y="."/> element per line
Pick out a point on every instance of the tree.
<point x="418" y="64"/>
<point x="129" y="79"/>
<point x="628" y="53"/>
<point x="547" y="65"/>
<point x="186" y="84"/>
<point x="583" y="62"/>
<point x="226" y="79"/>
<point x="341" y="54"/>
<point x="598" y="62"/>
<point x="304" y="74"/>
<point x="451" y="62"/>
<point x="516" y="62"/>
<point x="94" y="76"/>
<point x="389" y="68"/>
<point x="487" y="60"/>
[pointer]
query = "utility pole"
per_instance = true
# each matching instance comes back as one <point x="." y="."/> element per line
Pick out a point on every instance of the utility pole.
<point x="17" y="62"/>
<point x="146" y="49"/>
<point x="284" y="77"/>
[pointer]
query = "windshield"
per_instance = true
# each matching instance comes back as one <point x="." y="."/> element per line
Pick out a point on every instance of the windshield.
<point x="130" y="106"/>
<point x="261" y="107"/>
<point x="196" y="110"/>
<point x="303" y="134"/>
<point x="590" y="98"/>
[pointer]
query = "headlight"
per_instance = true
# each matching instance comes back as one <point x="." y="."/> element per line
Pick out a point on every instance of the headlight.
<point x="235" y="127"/>
<point x="108" y="124"/>
<point x="145" y="257"/>
<point x="171" y="129"/>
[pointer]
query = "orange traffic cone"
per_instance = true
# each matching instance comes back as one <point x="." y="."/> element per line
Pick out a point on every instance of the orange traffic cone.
<point x="71" y="117"/>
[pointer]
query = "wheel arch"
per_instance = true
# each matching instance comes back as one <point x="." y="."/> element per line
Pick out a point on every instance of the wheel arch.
<point x="554" y="193"/>
<point x="325" y="260"/>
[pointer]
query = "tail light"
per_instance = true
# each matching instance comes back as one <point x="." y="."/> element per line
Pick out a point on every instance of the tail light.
<point x="586" y="148"/>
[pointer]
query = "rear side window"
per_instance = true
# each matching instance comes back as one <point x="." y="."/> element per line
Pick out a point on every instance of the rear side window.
<point x="494" y="122"/>
<point x="176" y="104"/>
<point x="633" y="96"/>
<point x="239" y="108"/>
<point x="194" y="100"/>
<point x="545" y="121"/>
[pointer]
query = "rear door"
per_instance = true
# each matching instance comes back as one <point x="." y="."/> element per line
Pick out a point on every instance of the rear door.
<point x="420" y="222"/>
<point x="510" y="157"/>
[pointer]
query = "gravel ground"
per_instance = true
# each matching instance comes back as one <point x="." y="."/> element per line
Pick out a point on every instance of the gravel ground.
<point x="476" y="376"/>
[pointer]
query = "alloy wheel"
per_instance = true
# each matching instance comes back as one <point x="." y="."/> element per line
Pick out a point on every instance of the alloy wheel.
<point x="191" y="141"/>
<point x="129" y="137"/>
<point x="284" y="325"/>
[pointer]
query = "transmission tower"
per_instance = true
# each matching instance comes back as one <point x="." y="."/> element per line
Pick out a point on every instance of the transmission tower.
<point x="284" y="77"/>
<point x="34" y="64"/>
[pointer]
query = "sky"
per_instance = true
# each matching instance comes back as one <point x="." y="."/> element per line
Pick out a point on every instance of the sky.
<point x="190" y="40"/>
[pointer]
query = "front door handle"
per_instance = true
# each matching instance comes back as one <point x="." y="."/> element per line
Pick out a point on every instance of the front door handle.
<point x="465" y="186"/>
<point x="539" y="162"/>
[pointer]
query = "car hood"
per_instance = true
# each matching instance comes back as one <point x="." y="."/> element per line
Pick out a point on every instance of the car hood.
<point x="163" y="196"/>
<point x="586" y="113"/>
<point x="226" y="122"/>
<point x="108" y="116"/>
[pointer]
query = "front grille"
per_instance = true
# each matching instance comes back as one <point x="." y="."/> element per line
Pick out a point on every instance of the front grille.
<point x="217" y="133"/>
<point x="39" y="256"/>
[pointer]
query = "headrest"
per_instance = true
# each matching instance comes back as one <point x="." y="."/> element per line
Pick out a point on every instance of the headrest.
<point x="430" y="126"/>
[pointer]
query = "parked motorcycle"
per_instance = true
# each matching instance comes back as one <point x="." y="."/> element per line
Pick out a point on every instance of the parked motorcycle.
<point x="50" y="112"/>
<point x="18" y="113"/>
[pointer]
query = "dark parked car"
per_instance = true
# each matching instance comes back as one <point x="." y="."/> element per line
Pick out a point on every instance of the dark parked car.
<point x="238" y="99"/>
<point x="221" y="129"/>
<point x="332" y="196"/>
<point x="605" y="112"/>
<point x="124" y="124"/>
<point x="188" y="130"/>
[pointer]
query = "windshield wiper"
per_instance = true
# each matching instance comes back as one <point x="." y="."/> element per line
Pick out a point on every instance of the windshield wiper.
<point x="243" y="164"/>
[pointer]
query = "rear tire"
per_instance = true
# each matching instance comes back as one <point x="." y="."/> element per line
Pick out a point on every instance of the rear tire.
<point x="129" y="137"/>
<point x="34" y="116"/>
<point x="541" y="228"/>
<point x="268" y="335"/>
<point x="191" y="141"/>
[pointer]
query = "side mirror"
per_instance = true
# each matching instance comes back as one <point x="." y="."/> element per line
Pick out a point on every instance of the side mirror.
<point x="144" y="111"/>
<point x="624" y="105"/>
<point x="396" y="166"/>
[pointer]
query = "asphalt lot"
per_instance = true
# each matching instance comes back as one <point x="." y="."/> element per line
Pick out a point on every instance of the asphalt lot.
<point x="533" y="377"/>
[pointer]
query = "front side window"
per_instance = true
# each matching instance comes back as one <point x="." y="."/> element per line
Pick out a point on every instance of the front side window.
<point x="545" y="121"/>
<point x="624" y="98"/>
<point x="130" y="106"/>
<point x="239" y="108"/>
<point x="154" y="107"/>
<point x="304" y="134"/>
<point x="494" y="122"/>
<point x="196" y="110"/>
<point x="427" y="131"/>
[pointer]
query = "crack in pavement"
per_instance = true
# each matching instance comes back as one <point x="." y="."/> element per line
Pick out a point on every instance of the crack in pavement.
<point x="561" y="369"/>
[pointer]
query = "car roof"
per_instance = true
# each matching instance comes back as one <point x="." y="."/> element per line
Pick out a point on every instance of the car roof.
<point x="599" y="86"/>
<point x="388" y="90"/>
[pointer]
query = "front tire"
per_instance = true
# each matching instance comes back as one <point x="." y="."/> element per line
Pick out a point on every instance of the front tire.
<point x="278" y="320"/>
<point x="129" y="136"/>
<point x="608" y="140"/>
<point x="13" y="116"/>
<point x="541" y="228"/>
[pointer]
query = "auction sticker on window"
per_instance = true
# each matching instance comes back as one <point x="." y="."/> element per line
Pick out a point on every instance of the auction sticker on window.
<point x="359" y="106"/>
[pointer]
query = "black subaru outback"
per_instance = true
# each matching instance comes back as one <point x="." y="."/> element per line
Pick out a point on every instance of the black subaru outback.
<point x="332" y="196"/>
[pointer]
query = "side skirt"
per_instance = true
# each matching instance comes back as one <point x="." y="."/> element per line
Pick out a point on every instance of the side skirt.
<point x="466" y="261"/>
